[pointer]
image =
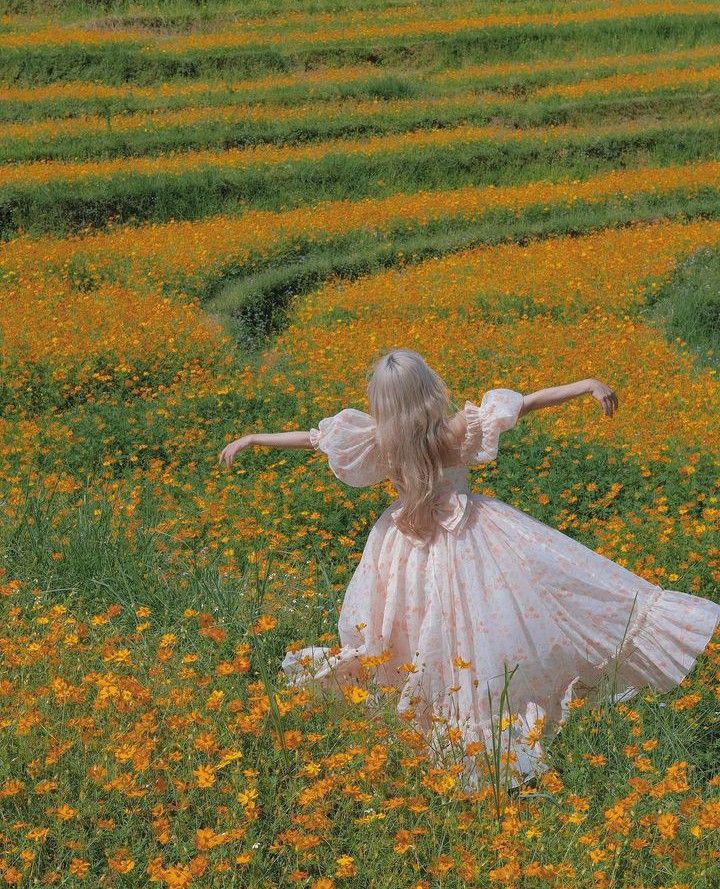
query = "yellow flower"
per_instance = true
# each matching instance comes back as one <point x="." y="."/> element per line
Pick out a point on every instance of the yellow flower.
<point x="439" y="781"/>
<point x="346" y="866"/>
<point x="247" y="797"/>
<point x="709" y="815"/>
<point x="121" y="862"/>
<point x="596" y="759"/>
<point x="355" y="694"/>
<point x="264" y="623"/>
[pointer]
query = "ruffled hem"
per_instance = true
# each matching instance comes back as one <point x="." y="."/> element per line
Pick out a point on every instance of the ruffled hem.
<point x="314" y="663"/>
<point x="663" y="644"/>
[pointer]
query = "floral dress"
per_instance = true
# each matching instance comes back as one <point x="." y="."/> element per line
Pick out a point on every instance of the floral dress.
<point x="494" y="593"/>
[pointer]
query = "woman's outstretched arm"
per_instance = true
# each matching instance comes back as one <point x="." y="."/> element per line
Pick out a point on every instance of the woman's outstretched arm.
<point x="294" y="439"/>
<point x="559" y="394"/>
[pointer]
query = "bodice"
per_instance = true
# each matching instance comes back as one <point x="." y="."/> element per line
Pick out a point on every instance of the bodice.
<point x="456" y="478"/>
<point x="452" y="509"/>
<point x="349" y="440"/>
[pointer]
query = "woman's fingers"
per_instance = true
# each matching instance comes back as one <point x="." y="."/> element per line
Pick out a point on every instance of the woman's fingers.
<point x="230" y="451"/>
<point x="226" y="456"/>
<point x="609" y="401"/>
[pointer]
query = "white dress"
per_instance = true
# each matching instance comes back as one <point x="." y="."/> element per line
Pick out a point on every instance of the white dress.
<point x="495" y="588"/>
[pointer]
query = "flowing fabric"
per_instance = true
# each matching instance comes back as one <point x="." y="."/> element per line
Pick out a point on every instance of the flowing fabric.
<point x="494" y="590"/>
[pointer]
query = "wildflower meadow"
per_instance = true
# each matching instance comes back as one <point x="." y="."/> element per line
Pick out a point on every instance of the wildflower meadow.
<point x="213" y="217"/>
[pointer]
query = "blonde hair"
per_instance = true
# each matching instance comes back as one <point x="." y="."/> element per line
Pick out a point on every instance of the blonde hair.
<point x="411" y="406"/>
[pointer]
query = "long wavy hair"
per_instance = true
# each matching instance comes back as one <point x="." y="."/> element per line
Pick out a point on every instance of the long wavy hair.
<point x="411" y="406"/>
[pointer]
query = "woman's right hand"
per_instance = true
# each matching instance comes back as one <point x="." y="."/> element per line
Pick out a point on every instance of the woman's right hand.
<point x="605" y="395"/>
<point x="229" y="452"/>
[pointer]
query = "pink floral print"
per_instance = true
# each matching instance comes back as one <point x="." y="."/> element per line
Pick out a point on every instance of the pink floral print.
<point x="494" y="590"/>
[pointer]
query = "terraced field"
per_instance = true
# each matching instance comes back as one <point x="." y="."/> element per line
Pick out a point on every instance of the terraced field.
<point x="212" y="220"/>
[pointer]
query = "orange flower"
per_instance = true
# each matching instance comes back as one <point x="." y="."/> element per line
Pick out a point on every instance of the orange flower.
<point x="204" y="776"/>
<point x="667" y="825"/>
<point x="121" y="862"/>
<point x="78" y="868"/>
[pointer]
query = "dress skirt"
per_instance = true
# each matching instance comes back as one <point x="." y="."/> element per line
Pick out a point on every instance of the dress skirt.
<point x="497" y="592"/>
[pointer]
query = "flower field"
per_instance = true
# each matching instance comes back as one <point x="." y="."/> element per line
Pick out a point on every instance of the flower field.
<point x="213" y="218"/>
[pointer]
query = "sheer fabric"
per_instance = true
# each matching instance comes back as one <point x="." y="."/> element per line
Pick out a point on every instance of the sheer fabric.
<point x="494" y="589"/>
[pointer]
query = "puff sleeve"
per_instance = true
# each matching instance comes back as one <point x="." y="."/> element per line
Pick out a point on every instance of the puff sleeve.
<point x="497" y="412"/>
<point x="348" y="440"/>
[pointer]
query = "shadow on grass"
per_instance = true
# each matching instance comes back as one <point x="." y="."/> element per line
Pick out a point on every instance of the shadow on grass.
<point x="687" y="306"/>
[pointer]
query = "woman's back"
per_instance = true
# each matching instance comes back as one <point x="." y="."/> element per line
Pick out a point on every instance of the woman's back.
<point x="441" y="616"/>
<point x="458" y="428"/>
<point x="493" y="596"/>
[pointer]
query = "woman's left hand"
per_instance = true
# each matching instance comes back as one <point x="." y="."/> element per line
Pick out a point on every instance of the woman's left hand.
<point x="229" y="452"/>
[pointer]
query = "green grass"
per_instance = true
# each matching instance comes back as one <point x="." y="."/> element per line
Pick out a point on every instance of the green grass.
<point x="190" y="12"/>
<point x="123" y="63"/>
<point x="254" y="304"/>
<point x="104" y="141"/>
<point x="151" y="521"/>
<point x="389" y="83"/>
<point x="60" y="206"/>
<point x="687" y="306"/>
<point x="103" y="564"/>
